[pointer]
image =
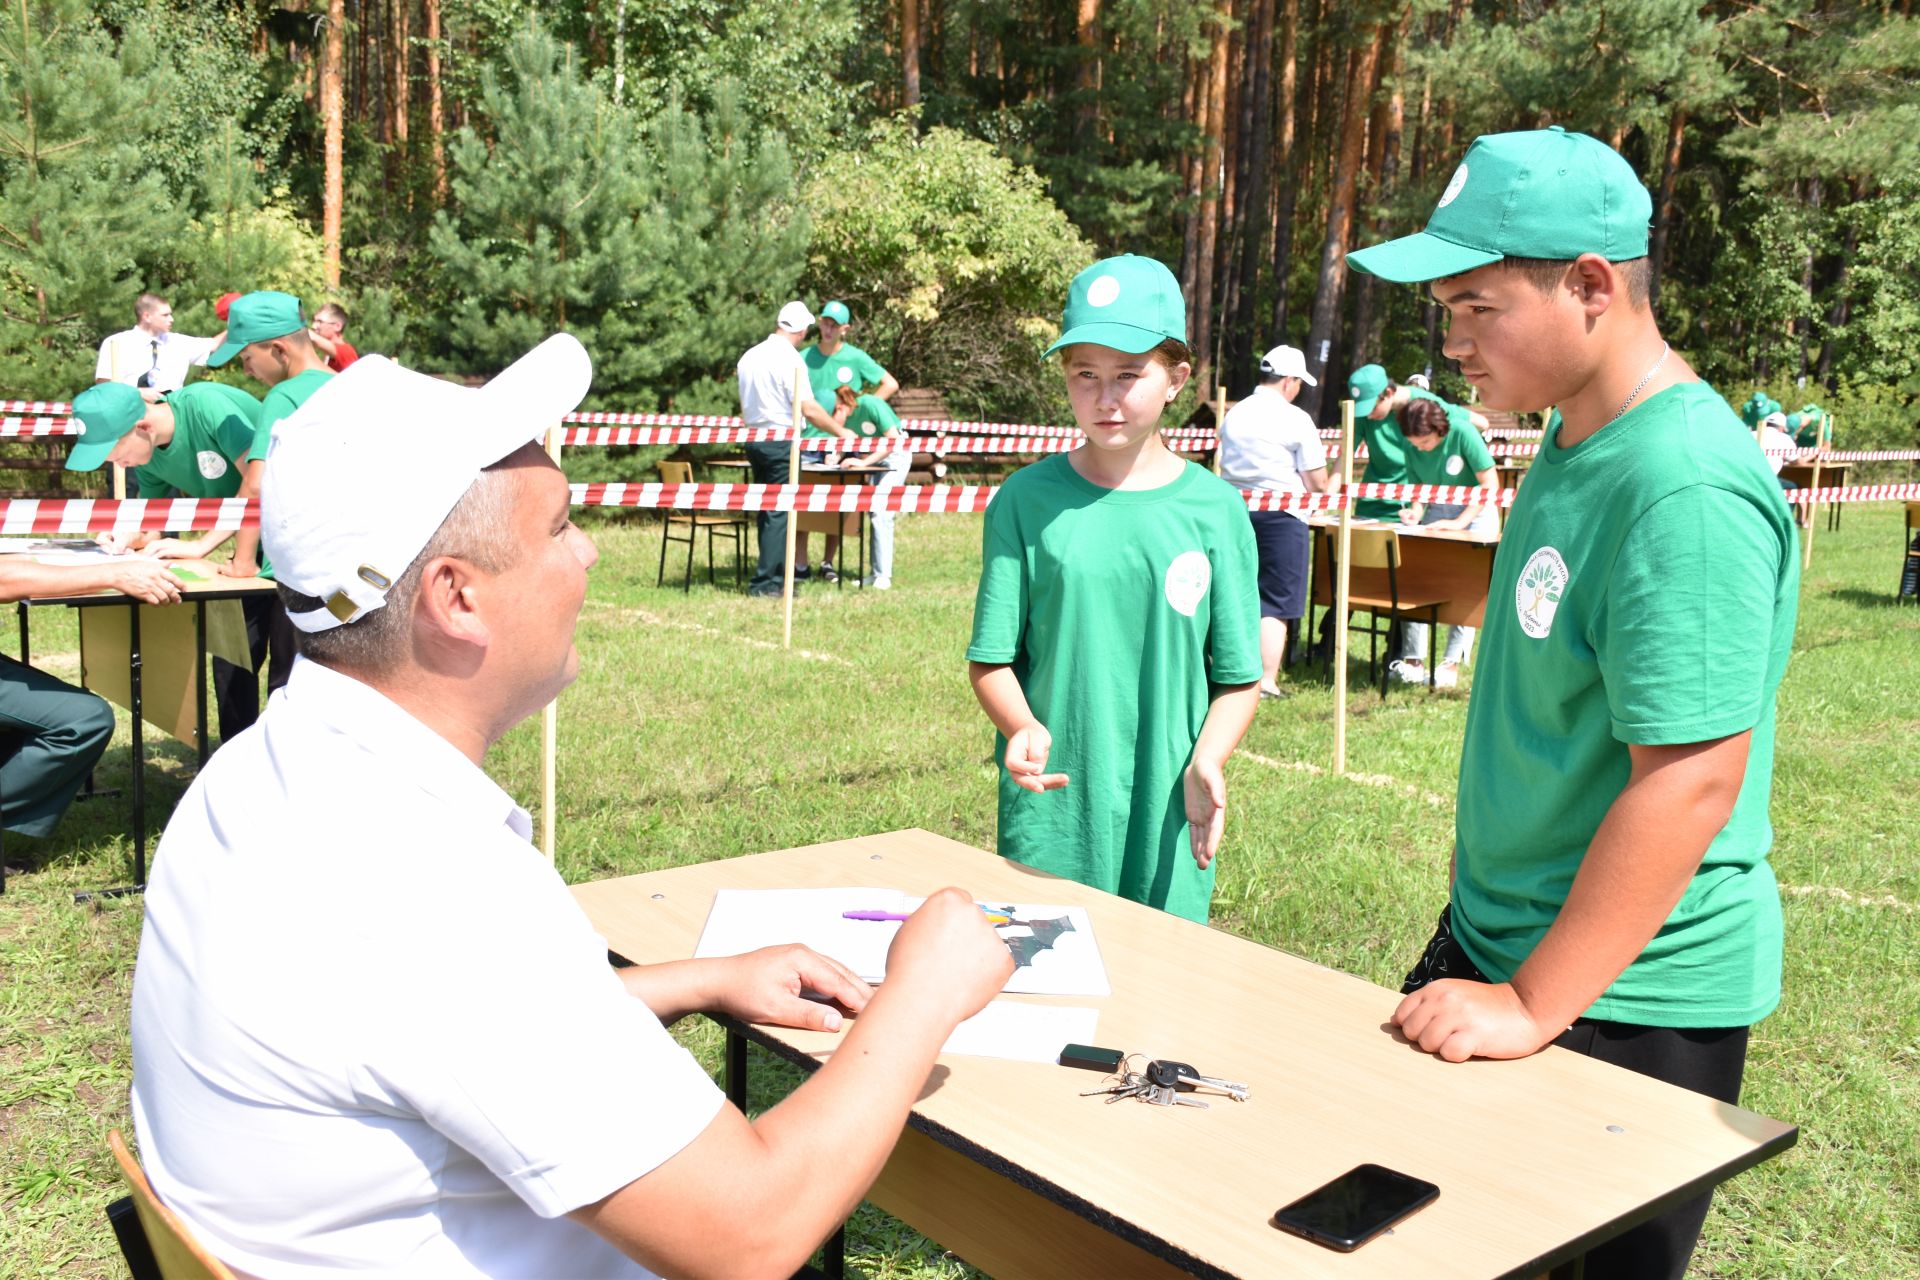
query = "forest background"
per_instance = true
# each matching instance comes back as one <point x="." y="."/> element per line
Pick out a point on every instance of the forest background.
<point x="659" y="175"/>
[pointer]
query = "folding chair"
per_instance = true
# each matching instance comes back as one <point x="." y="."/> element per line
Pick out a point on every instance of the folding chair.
<point x="1378" y="550"/>
<point x="155" y="1243"/>
<point x="727" y="524"/>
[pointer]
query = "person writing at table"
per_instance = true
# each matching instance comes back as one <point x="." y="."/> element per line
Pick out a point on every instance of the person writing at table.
<point x="372" y="1030"/>
<point x="1443" y="448"/>
<point x="872" y="418"/>
<point x="1611" y="891"/>
<point x="52" y="734"/>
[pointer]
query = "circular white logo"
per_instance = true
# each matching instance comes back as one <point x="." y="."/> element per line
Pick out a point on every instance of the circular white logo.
<point x="845" y="374"/>
<point x="1454" y="185"/>
<point x="1456" y="464"/>
<point x="212" y="465"/>
<point x="1188" y="578"/>
<point x="1537" y="598"/>
<point x="1103" y="291"/>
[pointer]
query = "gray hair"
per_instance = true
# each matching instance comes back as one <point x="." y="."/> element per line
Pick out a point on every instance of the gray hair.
<point x="478" y="530"/>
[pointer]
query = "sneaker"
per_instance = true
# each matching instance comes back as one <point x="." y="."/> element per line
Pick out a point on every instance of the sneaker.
<point x="1274" y="691"/>
<point x="1408" y="671"/>
<point x="880" y="581"/>
<point x="829" y="574"/>
<point x="801" y="573"/>
<point x="1446" y="675"/>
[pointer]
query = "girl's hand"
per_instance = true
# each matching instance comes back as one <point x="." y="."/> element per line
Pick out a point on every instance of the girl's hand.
<point x="1206" y="793"/>
<point x="1027" y="758"/>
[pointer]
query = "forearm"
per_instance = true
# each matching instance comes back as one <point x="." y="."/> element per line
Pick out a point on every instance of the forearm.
<point x="820" y="418"/>
<point x="1638" y="865"/>
<point x="1002" y="698"/>
<point x="674" y="989"/>
<point x="1228" y="718"/>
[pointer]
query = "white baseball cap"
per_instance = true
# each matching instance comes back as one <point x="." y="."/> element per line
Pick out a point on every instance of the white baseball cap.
<point x="1778" y="421"/>
<point x="1287" y="362"/>
<point x="361" y="476"/>
<point x="794" y="317"/>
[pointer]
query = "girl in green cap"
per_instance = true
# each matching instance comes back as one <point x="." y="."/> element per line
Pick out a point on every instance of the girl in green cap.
<point x="1116" y="642"/>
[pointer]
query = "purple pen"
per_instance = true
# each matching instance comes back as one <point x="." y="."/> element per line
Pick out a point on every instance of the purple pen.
<point x="995" y="916"/>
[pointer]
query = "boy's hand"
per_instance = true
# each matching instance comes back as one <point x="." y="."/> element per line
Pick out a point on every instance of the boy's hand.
<point x="146" y="580"/>
<point x="1027" y="756"/>
<point x="1206" y="794"/>
<point x="1456" y="1020"/>
<point x="765" y="986"/>
<point x="947" y="954"/>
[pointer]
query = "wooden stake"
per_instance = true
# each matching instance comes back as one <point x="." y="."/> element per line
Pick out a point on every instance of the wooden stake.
<point x="793" y="517"/>
<point x="1219" y="420"/>
<point x="549" y="722"/>
<point x="1813" y="511"/>
<point x="1340" y="591"/>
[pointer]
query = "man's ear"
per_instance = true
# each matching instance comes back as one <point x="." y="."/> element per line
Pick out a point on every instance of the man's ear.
<point x="447" y="603"/>
<point x="1595" y="283"/>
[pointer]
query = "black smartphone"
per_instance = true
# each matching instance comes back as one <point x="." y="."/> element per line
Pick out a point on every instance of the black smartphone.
<point x="1355" y="1207"/>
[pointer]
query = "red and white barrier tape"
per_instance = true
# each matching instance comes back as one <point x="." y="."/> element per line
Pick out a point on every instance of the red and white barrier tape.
<point x="57" y="407"/>
<point x="38" y="426"/>
<point x="134" y="515"/>
<point x="943" y="442"/>
<point x="1857" y="493"/>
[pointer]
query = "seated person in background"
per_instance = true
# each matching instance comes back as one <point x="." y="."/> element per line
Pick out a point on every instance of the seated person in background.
<point x="874" y="419"/>
<point x="1780" y="449"/>
<point x="372" y="1031"/>
<point x="1444" y="447"/>
<point x="191" y="443"/>
<point x="1812" y="427"/>
<point x="52" y="734"/>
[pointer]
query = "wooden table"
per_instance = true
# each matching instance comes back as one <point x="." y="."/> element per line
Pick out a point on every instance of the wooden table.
<point x="1454" y="563"/>
<point x="163" y="649"/>
<point x="1832" y="475"/>
<point x="845" y="524"/>
<point x="1537" y="1160"/>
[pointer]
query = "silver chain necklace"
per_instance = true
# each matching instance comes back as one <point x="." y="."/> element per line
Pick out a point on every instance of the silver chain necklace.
<point x="1665" y="349"/>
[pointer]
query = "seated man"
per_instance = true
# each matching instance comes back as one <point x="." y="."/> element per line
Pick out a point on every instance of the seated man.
<point x="52" y="734"/>
<point x="372" y="1032"/>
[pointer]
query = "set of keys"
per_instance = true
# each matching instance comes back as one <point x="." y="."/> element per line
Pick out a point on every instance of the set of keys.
<point x="1160" y="1083"/>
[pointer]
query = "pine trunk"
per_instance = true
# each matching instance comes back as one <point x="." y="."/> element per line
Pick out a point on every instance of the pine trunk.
<point x="1253" y="201"/>
<point x="910" y="51"/>
<point x="1087" y="77"/>
<point x="1383" y="146"/>
<point x="1288" y="183"/>
<point x="331" y="109"/>
<point x="436" y="107"/>
<point x="1202" y="332"/>
<point x="1663" y="209"/>
<point x="1331" y="290"/>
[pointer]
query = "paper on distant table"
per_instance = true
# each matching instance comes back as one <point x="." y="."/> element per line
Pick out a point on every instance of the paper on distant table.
<point x="744" y="920"/>
<point x="1023" y="1032"/>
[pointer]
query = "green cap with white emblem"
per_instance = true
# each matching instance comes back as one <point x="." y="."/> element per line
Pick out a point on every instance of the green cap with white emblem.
<point x="1129" y="303"/>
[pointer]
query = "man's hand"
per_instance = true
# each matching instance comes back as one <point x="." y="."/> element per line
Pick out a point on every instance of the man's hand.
<point x="146" y="580"/>
<point x="947" y="952"/>
<point x="177" y="549"/>
<point x="238" y="568"/>
<point x="765" y="986"/>
<point x="1205" y="787"/>
<point x="1027" y="758"/>
<point x="1456" y="1020"/>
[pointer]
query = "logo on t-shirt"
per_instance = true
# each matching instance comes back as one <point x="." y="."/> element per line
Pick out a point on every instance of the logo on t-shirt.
<point x="1456" y="464"/>
<point x="845" y="374"/>
<point x="212" y="465"/>
<point x="1454" y="187"/>
<point x="1537" y="598"/>
<point x="1188" y="578"/>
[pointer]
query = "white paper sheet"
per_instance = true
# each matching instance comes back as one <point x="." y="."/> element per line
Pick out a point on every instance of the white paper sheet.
<point x="1054" y="944"/>
<point x="1023" y="1032"/>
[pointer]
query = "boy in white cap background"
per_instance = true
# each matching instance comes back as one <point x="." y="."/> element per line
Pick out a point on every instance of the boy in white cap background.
<point x="1116" y="641"/>
<point x="438" y="1073"/>
<point x="1267" y="442"/>
<point x="766" y="375"/>
<point x="1611" y="891"/>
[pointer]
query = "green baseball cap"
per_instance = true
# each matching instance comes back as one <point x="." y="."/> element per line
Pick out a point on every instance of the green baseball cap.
<point x="256" y="317"/>
<point x="1365" y="385"/>
<point x="1129" y="303"/>
<point x="106" y="411"/>
<point x="1544" y="193"/>
<point x="836" y="312"/>
<point x="1757" y="407"/>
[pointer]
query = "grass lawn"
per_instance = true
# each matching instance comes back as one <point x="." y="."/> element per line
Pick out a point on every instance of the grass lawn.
<point x="691" y="735"/>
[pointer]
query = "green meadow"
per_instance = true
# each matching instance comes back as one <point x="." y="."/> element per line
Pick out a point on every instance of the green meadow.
<point x="692" y="735"/>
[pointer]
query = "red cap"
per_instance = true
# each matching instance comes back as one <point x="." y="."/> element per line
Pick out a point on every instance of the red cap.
<point x="221" y="304"/>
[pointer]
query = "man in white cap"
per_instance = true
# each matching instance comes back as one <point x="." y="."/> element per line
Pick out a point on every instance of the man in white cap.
<point x="372" y="1032"/>
<point x="1267" y="442"/>
<point x="767" y="374"/>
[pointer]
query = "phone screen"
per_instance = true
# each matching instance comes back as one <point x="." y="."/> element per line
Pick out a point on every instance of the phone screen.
<point x="1355" y="1207"/>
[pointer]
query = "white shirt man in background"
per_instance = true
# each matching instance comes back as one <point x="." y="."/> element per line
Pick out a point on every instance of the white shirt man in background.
<point x="372" y="1031"/>
<point x="151" y="354"/>
<point x="1267" y="442"/>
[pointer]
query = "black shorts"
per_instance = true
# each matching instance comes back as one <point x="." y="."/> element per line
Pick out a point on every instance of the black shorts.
<point x="1282" y="541"/>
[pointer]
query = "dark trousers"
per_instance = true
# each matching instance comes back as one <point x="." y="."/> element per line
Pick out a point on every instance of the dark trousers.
<point x="51" y="735"/>
<point x="1706" y="1060"/>
<point x="767" y="461"/>
<point x="1910" y="571"/>
<point x="236" y="689"/>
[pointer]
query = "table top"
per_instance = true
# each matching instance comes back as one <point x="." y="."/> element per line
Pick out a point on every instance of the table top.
<point x="216" y="586"/>
<point x="1330" y="520"/>
<point x="1536" y="1160"/>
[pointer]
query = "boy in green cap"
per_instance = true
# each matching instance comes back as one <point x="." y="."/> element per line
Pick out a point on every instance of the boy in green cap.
<point x="1611" y="891"/>
<point x="832" y="363"/>
<point x="190" y="443"/>
<point x="1116" y="636"/>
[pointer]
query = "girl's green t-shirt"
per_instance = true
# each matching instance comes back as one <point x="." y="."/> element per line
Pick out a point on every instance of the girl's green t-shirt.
<point x="1460" y="457"/>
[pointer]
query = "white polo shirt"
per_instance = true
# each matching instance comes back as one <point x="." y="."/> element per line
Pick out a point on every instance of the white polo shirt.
<point x="1266" y="441"/>
<point x="126" y="355"/>
<point x="372" y="1032"/>
<point x="766" y="375"/>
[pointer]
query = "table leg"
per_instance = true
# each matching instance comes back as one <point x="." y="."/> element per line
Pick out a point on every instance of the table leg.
<point x="736" y="1069"/>
<point x="26" y="651"/>
<point x="139" y="884"/>
<point x="200" y="679"/>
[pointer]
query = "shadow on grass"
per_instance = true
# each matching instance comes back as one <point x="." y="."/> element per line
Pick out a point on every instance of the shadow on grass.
<point x="1871" y="599"/>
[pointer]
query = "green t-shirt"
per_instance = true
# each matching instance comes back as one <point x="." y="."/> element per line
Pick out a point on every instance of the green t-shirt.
<point x="213" y="426"/>
<point x="1117" y="609"/>
<point x="281" y="401"/>
<point x="847" y="367"/>
<point x="1387" y="453"/>
<point x="1644" y="592"/>
<point x="873" y="416"/>
<point x="1460" y="457"/>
